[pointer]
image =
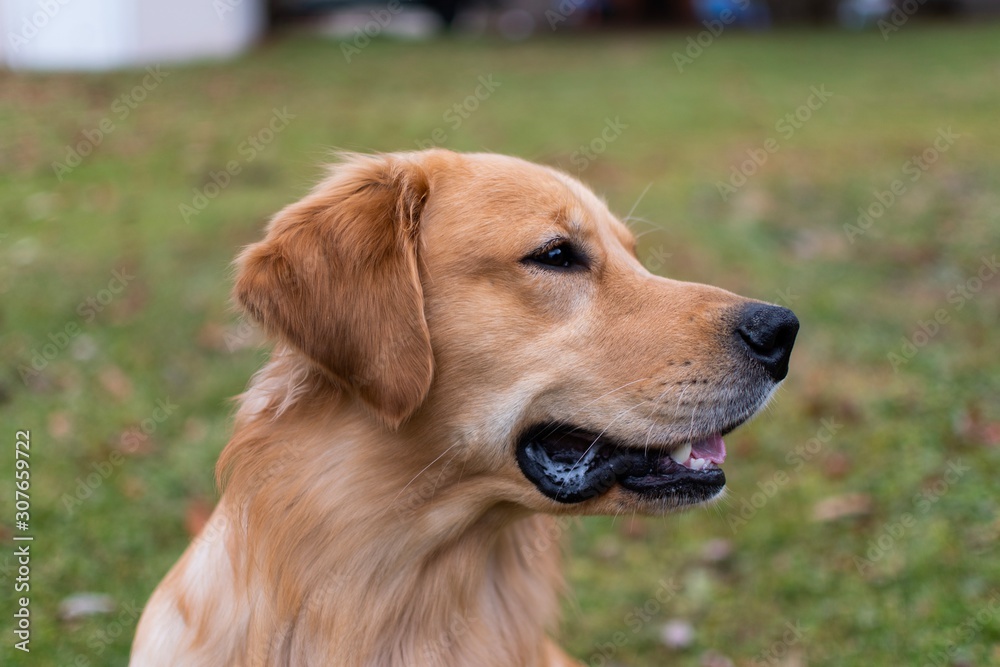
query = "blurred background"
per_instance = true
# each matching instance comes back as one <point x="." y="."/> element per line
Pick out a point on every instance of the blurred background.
<point x="836" y="157"/>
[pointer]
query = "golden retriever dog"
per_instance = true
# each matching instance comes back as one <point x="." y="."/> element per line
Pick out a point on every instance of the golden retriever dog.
<point x="466" y="346"/>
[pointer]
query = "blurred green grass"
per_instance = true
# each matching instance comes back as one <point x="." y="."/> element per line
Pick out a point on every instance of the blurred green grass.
<point x="169" y="335"/>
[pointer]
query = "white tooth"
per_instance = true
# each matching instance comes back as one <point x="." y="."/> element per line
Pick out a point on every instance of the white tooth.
<point x="682" y="453"/>
<point x="698" y="464"/>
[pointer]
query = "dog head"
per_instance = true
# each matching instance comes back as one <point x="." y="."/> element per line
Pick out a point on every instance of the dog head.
<point x="495" y="309"/>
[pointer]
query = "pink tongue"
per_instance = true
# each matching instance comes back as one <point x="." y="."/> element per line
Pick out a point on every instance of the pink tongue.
<point x="711" y="448"/>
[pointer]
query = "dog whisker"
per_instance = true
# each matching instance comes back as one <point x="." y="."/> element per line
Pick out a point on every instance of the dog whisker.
<point x="691" y="426"/>
<point x="599" y="435"/>
<point x="605" y="430"/>
<point x="648" y="231"/>
<point x="412" y="322"/>
<point x="422" y="471"/>
<point x="444" y="469"/>
<point x="628" y="216"/>
<point x="649" y="417"/>
<point x="590" y="403"/>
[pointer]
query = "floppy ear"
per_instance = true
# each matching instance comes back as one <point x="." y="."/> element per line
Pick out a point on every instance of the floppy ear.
<point x="336" y="277"/>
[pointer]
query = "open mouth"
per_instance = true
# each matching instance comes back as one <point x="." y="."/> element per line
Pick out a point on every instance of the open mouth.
<point x="570" y="465"/>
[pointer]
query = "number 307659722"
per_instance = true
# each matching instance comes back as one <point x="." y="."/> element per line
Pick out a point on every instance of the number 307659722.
<point x="22" y="475"/>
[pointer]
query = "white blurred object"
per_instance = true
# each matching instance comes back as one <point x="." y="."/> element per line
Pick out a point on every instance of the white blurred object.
<point x="408" y="22"/>
<point x="81" y="605"/>
<point x="677" y="634"/>
<point x="108" y="34"/>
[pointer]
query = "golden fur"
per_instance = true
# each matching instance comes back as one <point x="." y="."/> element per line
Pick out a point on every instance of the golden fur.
<point x="373" y="513"/>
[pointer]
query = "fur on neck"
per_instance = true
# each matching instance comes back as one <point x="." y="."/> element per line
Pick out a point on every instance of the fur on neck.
<point x="355" y="549"/>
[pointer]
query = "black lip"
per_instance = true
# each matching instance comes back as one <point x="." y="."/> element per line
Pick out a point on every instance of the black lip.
<point x="570" y="465"/>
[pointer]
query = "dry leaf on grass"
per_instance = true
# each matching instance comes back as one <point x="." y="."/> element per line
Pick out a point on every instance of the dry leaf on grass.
<point x="839" y="507"/>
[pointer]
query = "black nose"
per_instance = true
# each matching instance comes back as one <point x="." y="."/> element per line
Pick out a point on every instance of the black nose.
<point x="768" y="332"/>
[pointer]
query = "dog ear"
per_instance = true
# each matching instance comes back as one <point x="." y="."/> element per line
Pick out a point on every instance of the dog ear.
<point x="336" y="277"/>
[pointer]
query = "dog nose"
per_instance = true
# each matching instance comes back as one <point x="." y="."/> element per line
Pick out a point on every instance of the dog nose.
<point x="768" y="332"/>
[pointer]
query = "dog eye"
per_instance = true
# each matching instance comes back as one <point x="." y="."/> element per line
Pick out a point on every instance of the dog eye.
<point x="559" y="256"/>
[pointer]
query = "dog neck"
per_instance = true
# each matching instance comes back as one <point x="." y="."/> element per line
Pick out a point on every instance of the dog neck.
<point x="364" y="553"/>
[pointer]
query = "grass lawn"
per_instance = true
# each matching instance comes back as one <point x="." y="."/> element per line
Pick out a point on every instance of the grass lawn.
<point x="862" y="522"/>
